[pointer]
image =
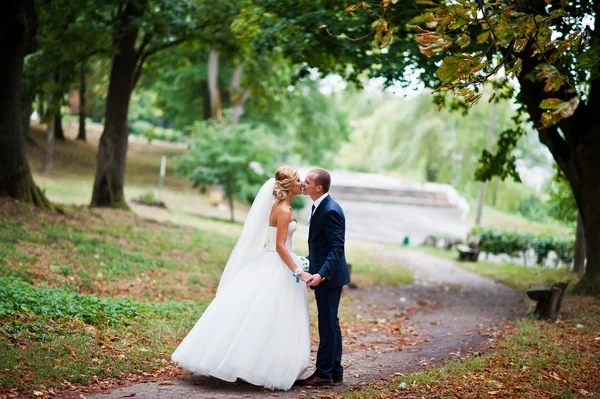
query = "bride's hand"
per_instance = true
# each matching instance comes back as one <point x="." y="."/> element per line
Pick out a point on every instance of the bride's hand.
<point x="306" y="277"/>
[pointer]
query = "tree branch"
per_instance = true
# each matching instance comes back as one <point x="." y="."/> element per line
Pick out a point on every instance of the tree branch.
<point x="242" y="99"/>
<point x="164" y="46"/>
<point x="236" y="82"/>
<point x="145" y="41"/>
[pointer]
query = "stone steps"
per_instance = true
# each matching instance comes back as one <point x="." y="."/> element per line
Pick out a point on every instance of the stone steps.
<point x="393" y="196"/>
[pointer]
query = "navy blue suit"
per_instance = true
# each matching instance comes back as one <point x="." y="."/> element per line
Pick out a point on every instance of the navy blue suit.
<point x="326" y="240"/>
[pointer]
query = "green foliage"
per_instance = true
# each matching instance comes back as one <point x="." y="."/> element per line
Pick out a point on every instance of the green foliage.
<point x="533" y="208"/>
<point x="233" y="156"/>
<point x="299" y="202"/>
<point x="315" y="124"/>
<point x="151" y="132"/>
<point x="512" y="243"/>
<point x="18" y="297"/>
<point x="420" y="141"/>
<point x="561" y="204"/>
<point x="146" y="198"/>
<point x="509" y="31"/>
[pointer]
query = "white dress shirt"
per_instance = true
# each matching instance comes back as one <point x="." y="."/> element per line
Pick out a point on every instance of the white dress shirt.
<point x="319" y="200"/>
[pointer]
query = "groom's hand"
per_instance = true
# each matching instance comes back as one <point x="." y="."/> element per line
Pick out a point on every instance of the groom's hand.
<point x="306" y="277"/>
<point x="316" y="280"/>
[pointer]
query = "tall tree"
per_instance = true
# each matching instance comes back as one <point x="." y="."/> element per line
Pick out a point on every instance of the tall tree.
<point x="18" y="25"/>
<point x="82" y="104"/>
<point x="59" y="132"/>
<point x="141" y="29"/>
<point x="112" y="151"/>
<point x="551" y="48"/>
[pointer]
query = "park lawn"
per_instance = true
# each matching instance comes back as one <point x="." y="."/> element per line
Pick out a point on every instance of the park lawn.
<point x="110" y="253"/>
<point x="497" y="219"/>
<point x="514" y="275"/>
<point x="52" y="339"/>
<point x="91" y="296"/>
<point x="528" y="359"/>
<point x="72" y="177"/>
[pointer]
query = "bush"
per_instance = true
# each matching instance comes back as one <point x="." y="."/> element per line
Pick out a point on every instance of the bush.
<point x="146" y="199"/>
<point x="141" y="128"/>
<point x="299" y="202"/>
<point x="533" y="208"/>
<point x="151" y="132"/>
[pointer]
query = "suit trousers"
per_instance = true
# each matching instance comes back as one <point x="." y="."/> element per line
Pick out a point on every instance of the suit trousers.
<point x="329" y="355"/>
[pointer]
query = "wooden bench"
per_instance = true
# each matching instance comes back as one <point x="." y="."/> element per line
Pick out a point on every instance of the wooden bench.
<point x="549" y="298"/>
<point x="466" y="253"/>
<point x="471" y="251"/>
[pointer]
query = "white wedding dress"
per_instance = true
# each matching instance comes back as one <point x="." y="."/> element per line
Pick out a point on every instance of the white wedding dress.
<point x="256" y="328"/>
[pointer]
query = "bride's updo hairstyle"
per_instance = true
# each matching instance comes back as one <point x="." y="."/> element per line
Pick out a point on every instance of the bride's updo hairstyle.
<point x="284" y="181"/>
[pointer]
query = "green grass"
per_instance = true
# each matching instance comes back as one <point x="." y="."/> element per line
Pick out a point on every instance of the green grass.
<point x="111" y="253"/>
<point x="369" y="268"/>
<point x="497" y="219"/>
<point x="48" y="336"/>
<point x="513" y="275"/>
<point x="95" y="293"/>
<point x="105" y="293"/>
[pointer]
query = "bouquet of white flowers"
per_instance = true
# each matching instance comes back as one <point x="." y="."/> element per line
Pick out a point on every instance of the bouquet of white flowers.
<point x="304" y="262"/>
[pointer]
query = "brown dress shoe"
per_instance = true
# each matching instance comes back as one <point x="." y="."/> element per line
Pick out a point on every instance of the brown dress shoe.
<point x="338" y="378"/>
<point x="314" y="381"/>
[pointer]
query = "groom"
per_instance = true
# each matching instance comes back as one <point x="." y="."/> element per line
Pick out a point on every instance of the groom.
<point x="329" y="274"/>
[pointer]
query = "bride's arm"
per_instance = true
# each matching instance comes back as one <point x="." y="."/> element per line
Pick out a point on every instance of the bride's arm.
<point x="284" y="216"/>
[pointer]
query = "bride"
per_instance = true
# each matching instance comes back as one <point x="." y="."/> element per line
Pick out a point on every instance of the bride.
<point x="257" y="327"/>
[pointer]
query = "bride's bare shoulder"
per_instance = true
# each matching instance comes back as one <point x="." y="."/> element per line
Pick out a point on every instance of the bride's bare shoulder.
<point x="281" y="212"/>
<point x="282" y="209"/>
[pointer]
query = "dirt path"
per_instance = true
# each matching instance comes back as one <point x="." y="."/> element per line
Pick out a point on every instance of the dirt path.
<point x="392" y="330"/>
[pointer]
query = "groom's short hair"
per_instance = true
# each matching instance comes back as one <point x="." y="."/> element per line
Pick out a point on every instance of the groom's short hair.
<point x="322" y="178"/>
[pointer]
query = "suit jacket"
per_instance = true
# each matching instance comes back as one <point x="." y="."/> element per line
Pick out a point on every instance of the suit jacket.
<point x="326" y="240"/>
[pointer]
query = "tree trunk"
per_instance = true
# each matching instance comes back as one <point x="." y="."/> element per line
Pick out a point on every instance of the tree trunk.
<point x="59" y="133"/>
<point x="579" y="259"/>
<point x="213" y="85"/>
<point x="231" y="214"/>
<point x="587" y="194"/>
<point x="112" y="151"/>
<point x="82" y="92"/>
<point x="26" y="116"/>
<point x="41" y="108"/>
<point x="206" y="106"/>
<point x="18" y="22"/>
<point x="237" y="98"/>
<point x="575" y="145"/>
<point x="483" y="187"/>
<point x="49" y="150"/>
<point x="50" y="132"/>
<point x="495" y="193"/>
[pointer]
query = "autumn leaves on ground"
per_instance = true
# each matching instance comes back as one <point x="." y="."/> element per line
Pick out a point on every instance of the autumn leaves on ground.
<point x="100" y="298"/>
